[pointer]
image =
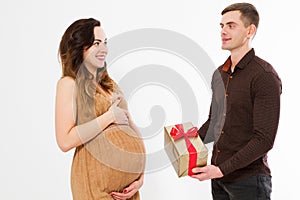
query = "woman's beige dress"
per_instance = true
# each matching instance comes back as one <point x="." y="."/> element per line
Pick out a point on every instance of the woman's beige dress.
<point x="109" y="162"/>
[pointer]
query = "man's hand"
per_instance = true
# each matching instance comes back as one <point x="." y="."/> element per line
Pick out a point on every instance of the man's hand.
<point x="207" y="172"/>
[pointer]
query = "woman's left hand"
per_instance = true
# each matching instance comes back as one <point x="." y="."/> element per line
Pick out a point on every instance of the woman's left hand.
<point x="129" y="191"/>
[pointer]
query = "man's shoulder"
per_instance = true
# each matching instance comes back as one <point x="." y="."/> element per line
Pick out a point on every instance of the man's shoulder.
<point x="263" y="65"/>
<point x="265" y="70"/>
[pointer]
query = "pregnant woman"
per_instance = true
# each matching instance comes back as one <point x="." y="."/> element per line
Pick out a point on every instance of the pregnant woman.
<point x="91" y="115"/>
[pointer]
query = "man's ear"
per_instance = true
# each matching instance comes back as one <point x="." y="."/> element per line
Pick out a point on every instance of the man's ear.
<point x="251" y="31"/>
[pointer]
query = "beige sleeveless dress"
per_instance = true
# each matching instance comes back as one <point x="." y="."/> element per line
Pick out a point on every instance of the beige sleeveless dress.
<point x="109" y="162"/>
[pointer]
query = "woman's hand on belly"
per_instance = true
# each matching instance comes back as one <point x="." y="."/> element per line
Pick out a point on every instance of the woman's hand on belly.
<point x="129" y="191"/>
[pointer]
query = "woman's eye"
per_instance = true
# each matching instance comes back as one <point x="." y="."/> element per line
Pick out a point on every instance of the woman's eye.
<point x="99" y="42"/>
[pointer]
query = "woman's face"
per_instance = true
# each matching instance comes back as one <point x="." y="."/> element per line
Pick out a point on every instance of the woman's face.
<point x="94" y="57"/>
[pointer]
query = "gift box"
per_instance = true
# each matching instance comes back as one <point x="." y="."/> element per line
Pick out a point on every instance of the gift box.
<point x="184" y="148"/>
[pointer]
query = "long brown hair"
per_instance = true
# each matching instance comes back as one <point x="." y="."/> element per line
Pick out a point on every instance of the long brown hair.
<point x="78" y="37"/>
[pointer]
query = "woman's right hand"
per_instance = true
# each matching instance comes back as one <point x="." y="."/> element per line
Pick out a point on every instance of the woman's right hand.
<point x="119" y="115"/>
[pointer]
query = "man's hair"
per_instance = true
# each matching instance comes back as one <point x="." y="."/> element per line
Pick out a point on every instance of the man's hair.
<point x="249" y="14"/>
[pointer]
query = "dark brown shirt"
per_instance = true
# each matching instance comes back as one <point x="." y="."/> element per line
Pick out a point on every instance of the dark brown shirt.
<point x="243" y="117"/>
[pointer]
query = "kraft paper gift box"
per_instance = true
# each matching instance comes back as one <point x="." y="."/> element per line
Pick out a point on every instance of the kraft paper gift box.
<point x="184" y="148"/>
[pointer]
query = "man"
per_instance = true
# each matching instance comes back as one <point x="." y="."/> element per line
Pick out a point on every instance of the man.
<point x="244" y="113"/>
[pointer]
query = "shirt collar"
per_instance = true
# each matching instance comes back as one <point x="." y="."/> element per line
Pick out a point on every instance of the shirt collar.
<point x="243" y="62"/>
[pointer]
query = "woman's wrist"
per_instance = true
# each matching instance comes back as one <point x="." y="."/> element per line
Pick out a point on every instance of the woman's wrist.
<point x="141" y="180"/>
<point x="105" y="119"/>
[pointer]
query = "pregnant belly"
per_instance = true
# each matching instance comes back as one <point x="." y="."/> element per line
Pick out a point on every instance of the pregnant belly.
<point x="109" y="162"/>
<point x="120" y="148"/>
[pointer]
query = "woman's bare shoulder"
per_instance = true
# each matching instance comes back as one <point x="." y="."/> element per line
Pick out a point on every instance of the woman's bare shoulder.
<point x="66" y="82"/>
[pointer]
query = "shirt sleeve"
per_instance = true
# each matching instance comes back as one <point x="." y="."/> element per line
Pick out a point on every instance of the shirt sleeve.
<point x="204" y="128"/>
<point x="266" y="110"/>
<point x="211" y="126"/>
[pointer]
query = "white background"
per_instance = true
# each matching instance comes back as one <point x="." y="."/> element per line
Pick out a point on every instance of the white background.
<point x="32" y="166"/>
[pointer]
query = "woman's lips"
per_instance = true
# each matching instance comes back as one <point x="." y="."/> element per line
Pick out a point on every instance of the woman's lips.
<point x="101" y="57"/>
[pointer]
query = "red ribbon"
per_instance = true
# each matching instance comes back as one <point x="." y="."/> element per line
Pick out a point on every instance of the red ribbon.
<point x="177" y="132"/>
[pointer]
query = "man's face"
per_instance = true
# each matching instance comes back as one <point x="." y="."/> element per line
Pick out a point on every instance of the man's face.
<point x="233" y="33"/>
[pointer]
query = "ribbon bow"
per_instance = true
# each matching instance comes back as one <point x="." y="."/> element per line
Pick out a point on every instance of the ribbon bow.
<point x="177" y="132"/>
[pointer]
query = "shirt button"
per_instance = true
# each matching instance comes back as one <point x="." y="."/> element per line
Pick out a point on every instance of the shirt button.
<point x="224" y="114"/>
<point x="226" y="95"/>
<point x="222" y="132"/>
<point x="230" y="76"/>
<point x="218" y="151"/>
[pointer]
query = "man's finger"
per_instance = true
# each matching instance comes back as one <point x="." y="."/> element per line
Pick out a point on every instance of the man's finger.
<point x="197" y="170"/>
<point x="200" y="177"/>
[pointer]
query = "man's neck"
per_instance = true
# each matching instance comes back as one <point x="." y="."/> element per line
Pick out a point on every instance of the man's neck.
<point x="237" y="55"/>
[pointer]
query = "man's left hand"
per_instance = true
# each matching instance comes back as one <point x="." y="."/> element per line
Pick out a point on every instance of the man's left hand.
<point x="207" y="172"/>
